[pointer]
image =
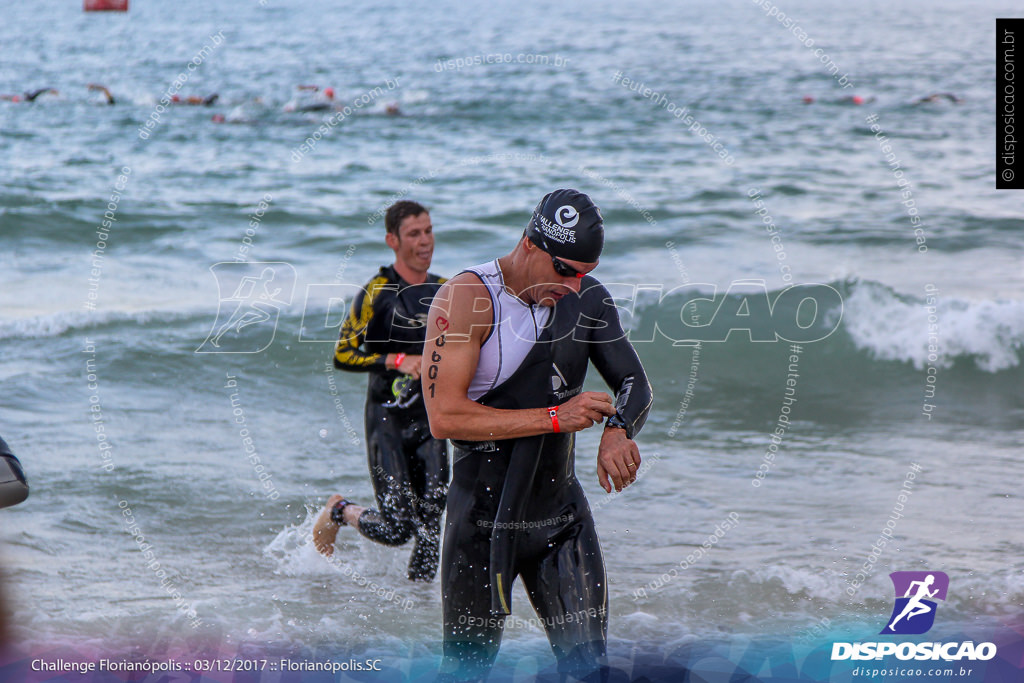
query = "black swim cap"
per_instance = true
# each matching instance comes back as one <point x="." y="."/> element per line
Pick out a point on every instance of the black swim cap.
<point x="568" y="225"/>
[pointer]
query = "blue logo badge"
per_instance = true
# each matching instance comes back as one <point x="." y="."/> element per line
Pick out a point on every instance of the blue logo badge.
<point x="916" y="593"/>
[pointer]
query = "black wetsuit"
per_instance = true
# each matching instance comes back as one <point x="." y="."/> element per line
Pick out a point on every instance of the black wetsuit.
<point x="13" y="487"/>
<point x="516" y="509"/>
<point x="32" y="95"/>
<point x="408" y="467"/>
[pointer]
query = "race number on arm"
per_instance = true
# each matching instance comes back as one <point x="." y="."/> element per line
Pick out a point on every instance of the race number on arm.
<point x="460" y="320"/>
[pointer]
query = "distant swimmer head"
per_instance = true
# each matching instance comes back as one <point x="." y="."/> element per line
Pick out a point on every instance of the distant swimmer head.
<point x="568" y="225"/>
<point x="857" y="99"/>
<point x="218" y="118"/>
<point x="808" y="99"/>
<point x="329" y="92"/>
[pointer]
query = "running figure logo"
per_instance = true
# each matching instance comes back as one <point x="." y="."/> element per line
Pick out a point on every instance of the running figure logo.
<point x="254" y="300"/>
<point x="914" y="612"/>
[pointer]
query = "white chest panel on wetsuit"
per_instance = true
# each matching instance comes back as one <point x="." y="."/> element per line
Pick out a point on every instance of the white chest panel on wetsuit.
<point x="516" y="328"/>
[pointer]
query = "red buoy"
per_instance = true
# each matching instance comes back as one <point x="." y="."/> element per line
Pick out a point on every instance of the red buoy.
<point x="105" y="5"/>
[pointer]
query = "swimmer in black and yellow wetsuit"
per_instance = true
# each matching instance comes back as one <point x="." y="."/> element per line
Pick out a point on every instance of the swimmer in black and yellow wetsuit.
<point x="409" y="467"/>
<point x="508" y="346"/>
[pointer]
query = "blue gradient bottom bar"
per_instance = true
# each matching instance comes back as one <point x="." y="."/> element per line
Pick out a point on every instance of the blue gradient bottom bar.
<point x="738" y="659"/>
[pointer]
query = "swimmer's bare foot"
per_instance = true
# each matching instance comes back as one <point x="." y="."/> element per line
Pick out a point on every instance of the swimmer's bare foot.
<point x="325" y="531"/>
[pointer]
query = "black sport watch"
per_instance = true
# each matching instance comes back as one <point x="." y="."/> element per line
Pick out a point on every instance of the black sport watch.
<point x="617" y="422"/>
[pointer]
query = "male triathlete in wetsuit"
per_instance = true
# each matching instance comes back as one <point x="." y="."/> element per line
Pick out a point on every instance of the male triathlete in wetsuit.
<point x="409" y="467"/>
<point x="13" y="490"/>
<point x="13" y="487"/>
<point x="508" y="346"/>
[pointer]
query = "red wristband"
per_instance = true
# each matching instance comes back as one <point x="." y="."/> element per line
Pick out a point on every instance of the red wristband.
<point x="553" y="414"/>
<point x="399" y="357"/>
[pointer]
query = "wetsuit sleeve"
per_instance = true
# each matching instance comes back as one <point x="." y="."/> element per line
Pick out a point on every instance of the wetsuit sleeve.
<point x="617" y="361"/>
<point x="348" y="354"/>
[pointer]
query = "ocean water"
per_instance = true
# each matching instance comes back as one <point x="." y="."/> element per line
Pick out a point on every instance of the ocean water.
<point x="108" y="335"/>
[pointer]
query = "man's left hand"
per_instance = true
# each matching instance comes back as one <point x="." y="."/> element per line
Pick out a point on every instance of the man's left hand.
<point x="618" y="459"/>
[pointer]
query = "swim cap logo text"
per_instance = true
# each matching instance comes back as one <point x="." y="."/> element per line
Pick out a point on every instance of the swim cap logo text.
<point x="558" y="233"/>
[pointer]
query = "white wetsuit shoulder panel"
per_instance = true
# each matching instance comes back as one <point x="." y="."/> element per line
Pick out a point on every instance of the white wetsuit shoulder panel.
<point x="515" y="330"/>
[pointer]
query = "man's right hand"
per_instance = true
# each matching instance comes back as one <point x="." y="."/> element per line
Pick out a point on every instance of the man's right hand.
<point x="410" y="364"/>
<point x="584" y="410"/>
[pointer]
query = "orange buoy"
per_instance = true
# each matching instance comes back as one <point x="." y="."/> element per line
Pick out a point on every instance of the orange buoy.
<point x="105" y="5"/>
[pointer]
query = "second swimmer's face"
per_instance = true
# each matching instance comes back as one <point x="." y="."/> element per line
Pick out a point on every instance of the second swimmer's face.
<point x="414" y="245"/>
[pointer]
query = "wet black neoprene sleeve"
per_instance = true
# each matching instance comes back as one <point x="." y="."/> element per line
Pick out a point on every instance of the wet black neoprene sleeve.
<point x="617" y="361"/>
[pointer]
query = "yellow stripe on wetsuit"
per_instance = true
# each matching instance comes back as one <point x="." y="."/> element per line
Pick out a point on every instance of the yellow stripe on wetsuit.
<point x="347" y="352"/>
